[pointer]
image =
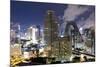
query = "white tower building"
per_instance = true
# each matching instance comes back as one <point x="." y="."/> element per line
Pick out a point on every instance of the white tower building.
<point x="32" y="34"/>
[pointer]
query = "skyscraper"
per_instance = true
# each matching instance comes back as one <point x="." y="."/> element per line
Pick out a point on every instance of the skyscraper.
<point x="32" y="34"/>
<point x="50" y="30"/>
<point x="50" y="27"/>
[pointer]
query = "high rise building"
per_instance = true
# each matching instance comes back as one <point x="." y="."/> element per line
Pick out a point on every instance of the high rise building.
<point x="50" y="27"/>
<point x="90" y="40"/>
<point x="65" y="48"/>
<point x="32" y="34"/>
<point x="50" y="30"/>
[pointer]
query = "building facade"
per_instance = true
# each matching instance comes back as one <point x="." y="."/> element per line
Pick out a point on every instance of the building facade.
<point x="50" y="30"/>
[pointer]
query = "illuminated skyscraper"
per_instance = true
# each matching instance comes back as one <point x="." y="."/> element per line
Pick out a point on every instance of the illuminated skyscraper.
<point x="50" y="30"/>
<point x="32" y="34"/>
<point x="50" y="27"/>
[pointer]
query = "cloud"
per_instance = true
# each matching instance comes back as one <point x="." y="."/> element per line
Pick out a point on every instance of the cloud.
<point x="89" y="22"/>
<point x="73" y="11"/>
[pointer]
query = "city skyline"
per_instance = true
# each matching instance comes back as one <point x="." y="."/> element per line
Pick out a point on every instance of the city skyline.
<point x="51" y="33"/>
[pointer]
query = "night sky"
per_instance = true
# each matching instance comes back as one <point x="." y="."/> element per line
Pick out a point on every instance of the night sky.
<point x="33" y="13"/>
<point x="30" y="13"/>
